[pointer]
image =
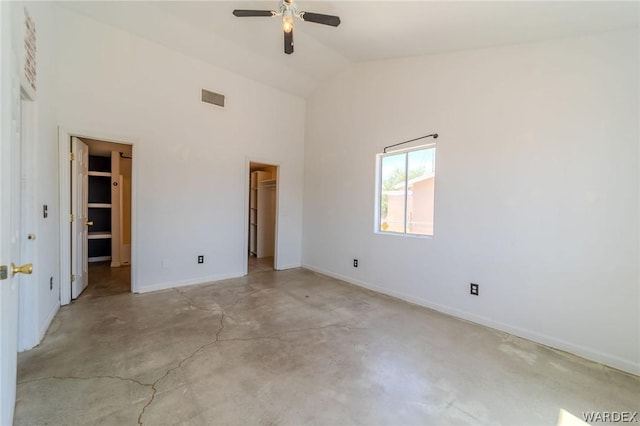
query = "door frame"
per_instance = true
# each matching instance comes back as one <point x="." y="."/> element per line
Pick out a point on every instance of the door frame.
<point x="247" y="185"/>
<point x="64" y="148"/>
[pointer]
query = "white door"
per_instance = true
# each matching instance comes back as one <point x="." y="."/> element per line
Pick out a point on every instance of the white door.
<point x="10" y="245"/>
<point x="80" y="212"/>
<point x="28" y="331"/>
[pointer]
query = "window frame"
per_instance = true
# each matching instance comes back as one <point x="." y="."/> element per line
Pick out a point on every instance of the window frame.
<point x="378" y="190"/>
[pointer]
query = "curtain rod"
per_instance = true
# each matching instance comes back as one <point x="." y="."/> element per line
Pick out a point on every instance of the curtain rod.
<point x="434" y="135"/>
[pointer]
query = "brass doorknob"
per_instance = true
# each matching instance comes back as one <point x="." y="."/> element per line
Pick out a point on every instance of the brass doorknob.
<point x="27" y="269"/>
<point x="89" y="223"/>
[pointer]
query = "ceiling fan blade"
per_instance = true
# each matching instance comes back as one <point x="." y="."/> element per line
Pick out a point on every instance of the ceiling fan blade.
<point x="288" y="42"/>
<point x="319" y="18"/>
<point x="245" y="13"/>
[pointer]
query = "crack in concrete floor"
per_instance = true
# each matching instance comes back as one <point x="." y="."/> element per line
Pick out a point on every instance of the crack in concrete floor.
<point x="154" y="390"/>
<point x="153" y="385"/>
<point x="124" y="379"/>
<point x="150" y="385"/>
<point x="193" y="304"/>
<point x="217" y="339"/>
<point x="166" y="373"/>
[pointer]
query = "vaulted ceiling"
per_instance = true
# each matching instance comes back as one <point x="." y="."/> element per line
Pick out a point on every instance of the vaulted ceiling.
<point x="370" y="30"/>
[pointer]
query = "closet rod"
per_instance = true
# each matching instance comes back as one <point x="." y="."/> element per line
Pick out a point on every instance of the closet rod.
<point x="433" y="135"/>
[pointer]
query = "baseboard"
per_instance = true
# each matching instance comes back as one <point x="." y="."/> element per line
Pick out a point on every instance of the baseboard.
<point x="575" y="349"/>
<point x="285" y="267"/>
<point x="184" y="283"/>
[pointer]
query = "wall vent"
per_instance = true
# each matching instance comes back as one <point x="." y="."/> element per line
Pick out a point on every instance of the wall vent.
<point x="212" y="98"/>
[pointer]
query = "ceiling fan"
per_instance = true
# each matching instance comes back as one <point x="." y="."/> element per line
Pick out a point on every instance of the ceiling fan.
<point x="288" y="10"/>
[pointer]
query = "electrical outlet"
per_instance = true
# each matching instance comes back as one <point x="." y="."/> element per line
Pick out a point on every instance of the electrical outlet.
<point x="355" y="263"/>
<point x="200" y="259"/>
<point x="474" y="289"/>
<point x="50" y="283"/>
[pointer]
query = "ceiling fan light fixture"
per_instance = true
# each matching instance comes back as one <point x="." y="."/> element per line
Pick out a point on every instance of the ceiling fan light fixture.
<point x="287" y="22"/>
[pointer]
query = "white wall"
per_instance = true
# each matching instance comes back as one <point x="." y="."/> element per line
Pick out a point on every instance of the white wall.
<point x="190" y="159"/>
<point x="47" y="169"/>
<point x="46" y="192"/>
<point x="537" y="187"/>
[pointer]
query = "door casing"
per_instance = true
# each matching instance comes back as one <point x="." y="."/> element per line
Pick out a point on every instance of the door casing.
<point x="64" y="148"/>
<point x="247" y="174"/>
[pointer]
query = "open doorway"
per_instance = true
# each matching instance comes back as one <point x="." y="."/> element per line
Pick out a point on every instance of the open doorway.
<point x="101" y="232"/>
<point x="263" y="198"/>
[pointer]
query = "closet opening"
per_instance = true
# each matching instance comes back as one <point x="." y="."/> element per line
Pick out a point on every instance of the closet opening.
<point x="263" y="196"/>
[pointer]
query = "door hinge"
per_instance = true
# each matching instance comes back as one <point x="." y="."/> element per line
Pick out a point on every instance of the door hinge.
<point x="72" y="156"/>
<point x="72" y="218"/>
<point x="73" y="278"/>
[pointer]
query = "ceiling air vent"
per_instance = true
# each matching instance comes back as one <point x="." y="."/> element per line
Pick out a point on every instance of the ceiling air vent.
<point x="212" y="98"/>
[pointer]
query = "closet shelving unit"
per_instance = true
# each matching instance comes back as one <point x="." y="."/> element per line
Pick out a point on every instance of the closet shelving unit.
<point x="99" y="205"/>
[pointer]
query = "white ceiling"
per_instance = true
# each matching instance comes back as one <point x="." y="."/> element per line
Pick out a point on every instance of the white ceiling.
<point x="370" y="30"/>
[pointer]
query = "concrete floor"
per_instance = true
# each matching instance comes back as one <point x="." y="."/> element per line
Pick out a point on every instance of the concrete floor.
<point x="107" y="281"/>
<point x="295" y="347"/>
<point x="262" y="264"/>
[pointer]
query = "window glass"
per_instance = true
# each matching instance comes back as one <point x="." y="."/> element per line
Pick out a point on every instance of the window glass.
<point x="392" y="199"/>
<point x="406" y="192"/>
<point x="420" y="194"/>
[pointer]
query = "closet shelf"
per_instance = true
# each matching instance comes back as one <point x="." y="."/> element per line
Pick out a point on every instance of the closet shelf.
<point x="104" y="174"/>
<point x="99" y="205"/>
<point x="99" y="235"/>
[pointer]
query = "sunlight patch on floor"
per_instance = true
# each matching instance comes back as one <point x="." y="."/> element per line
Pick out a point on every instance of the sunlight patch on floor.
<point x="567" y="419"/>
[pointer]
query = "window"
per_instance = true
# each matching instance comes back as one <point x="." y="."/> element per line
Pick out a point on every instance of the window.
<point x="406" y="191"/>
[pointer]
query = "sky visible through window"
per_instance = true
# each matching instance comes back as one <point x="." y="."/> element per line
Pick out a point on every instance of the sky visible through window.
<point x="422" y="159"/>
